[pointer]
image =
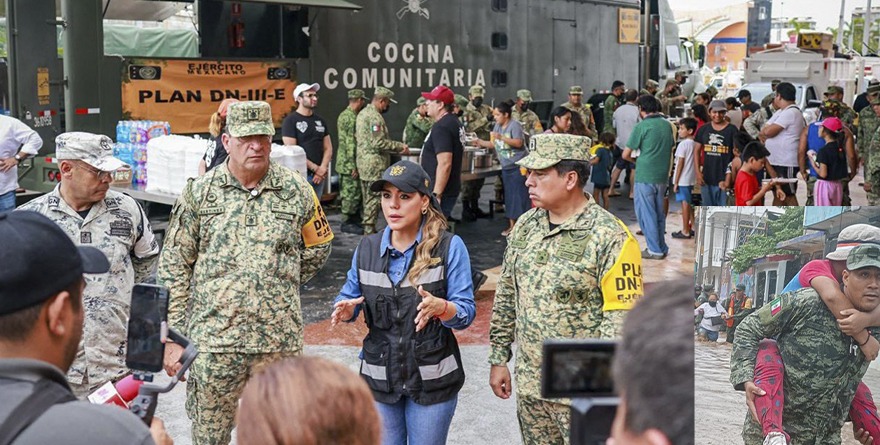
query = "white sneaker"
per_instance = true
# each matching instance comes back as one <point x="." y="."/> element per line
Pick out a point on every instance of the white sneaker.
<point x="775" y="438"/>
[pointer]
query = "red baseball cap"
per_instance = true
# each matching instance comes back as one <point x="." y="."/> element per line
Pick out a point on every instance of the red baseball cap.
<point x="833" y="124"/>
<point x="441" y="93"/>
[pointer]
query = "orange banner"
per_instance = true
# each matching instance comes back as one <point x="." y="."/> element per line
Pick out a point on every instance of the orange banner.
<point x="186" y="92"/>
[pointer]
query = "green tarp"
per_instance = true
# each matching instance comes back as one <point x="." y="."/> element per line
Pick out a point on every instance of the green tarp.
<point x="150" y="42"/>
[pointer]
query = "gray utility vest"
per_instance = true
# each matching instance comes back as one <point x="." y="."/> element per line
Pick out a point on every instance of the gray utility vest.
<point x="398" y="361"/>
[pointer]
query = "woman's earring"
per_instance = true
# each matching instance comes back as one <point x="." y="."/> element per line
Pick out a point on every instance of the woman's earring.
<point x="425" y="211"/>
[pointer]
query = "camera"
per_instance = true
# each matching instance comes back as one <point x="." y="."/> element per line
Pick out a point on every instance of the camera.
<point x="581" y="370"/>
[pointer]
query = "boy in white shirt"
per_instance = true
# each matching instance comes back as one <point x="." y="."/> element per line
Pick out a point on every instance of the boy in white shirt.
<point x="683" y="183"/>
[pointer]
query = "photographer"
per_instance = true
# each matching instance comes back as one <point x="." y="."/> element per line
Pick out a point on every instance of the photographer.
<point x="41" y="325"/>
<point x="656" y="408"/>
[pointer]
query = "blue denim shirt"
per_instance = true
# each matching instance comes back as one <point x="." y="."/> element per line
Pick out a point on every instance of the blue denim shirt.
<point x="459" y="283"/>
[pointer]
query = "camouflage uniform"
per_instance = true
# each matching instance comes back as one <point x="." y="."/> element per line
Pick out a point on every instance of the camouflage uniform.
<point x="872" y="169"/>
<point x="869" y="123"/>
<point x="584" y="111"/>
<point x="649" y="84"/>
<point x="768" y="99"/>
<point x="823" y="366"/>
<point x="611" y="104"/>
<point x="416" y="129"/>
<point x="474" y="122"/>
<point x="530" y="122"/>
<point x="668" y="106"/>
<point x="346" y="163"/>
<point x="234" y="261"/>
<point x="554" y="284"/>
<point x="118" y="227"/>
<point x="753" y="124"/>
<point x="373" y="157"/>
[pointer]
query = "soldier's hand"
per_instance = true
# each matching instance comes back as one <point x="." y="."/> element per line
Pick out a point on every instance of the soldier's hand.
<point x="499" y="380"/>
<point x="867" y="186"/>
<point x="158" y="432"/>
<point x="753" y="391"/>
<point x="430" y="307"/>
<point x="344" y="310"/>
<point x="854" y="321"/>
<point x="405" y="150"/>
<point x="862" y="436"/>
<point x="354" y="174"/>
<point x="173" y="351"/>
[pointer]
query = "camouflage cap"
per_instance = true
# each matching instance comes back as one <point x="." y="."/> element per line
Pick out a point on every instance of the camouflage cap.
<point x="866" y="255"/>
<point x="420" y="101"/>
<point x="461" y="101"/>
<point x="525" y="95"/>
<point x="383" y="92"/>
<point x="576" y="90"/>
<point x="356" y="94"/>
<point x="875" y="101"/>
<point x="874" y="88"/>
<point x="833" y="89"/>
<point x="707" y="287"/>
<point x="250" y="118"/>
<point x="775" y="82"/>
<point x="681" y="73"/>
<point x="477" y="91"/>
<point x="93" y="149"/>
<point x="546" y="150"/>
<point x="651" y="83"/>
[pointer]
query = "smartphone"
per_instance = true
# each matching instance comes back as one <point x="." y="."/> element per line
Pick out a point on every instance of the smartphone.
<point x="146" y="325"/>
<point x="578" y="369"/>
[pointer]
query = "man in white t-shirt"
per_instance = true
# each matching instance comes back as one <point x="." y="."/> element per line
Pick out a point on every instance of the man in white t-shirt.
<point x="625" y="119"/>
<point x="685" y="175"/>
<point x="713" y="316"/>
<point x="781" y="134"/>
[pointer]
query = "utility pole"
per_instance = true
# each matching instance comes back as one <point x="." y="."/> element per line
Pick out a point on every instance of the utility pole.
<point x="840" y="26"/>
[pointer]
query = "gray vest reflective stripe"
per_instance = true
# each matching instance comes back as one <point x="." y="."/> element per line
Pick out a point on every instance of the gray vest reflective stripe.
<point x="426" y="365"/>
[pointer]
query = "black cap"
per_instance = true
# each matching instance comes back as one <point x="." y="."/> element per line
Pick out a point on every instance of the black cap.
<point x="39" y="260"/>
<point x="740" y="287"/>
<point x="407" y="176"/>
<point x="743" y="93"/>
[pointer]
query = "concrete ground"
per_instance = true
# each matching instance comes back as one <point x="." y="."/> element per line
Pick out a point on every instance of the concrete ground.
<point x="481" y="418"/>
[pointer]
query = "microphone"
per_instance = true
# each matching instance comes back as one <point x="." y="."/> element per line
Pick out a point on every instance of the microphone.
<point x="120" y="394"/>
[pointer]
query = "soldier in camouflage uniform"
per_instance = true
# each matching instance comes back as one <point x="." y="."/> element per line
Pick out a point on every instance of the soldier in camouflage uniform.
<point x="374" y="152"/>
<point x="650" y="88"/>
<point x="872" y="162"/>
<point x="868" y="123"/>
<point x="753" y="124"/>
<point x="475" y="94"/>
<point x="576" y="105"/>
<point x="527" y="118"/>
<point x="115" y="224"/>
<point x="768" y="99"/>
<point x="418" y="124"/>
<point x="823" y="366"/>
<point x="670" y="98"/>
<point x="611" y="103"/>
<point x="474" y="122"/>
<point x="241" y="241"/>
<point x="558" y="282"/>
<point x="346" y="164"/>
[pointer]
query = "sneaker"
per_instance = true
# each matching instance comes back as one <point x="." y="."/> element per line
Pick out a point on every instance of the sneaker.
<point x="650" y="256"/>
<point x="680" y="235"/>
<point x="775" y="438"/>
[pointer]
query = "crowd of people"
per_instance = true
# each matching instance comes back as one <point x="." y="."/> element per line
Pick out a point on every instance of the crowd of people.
<point x="245" y="235"/>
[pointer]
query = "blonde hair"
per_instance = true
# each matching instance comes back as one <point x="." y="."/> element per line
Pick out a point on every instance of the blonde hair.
<point x="215" y="127"/>
<point x="433" y="228"/>
<point x="307" y="401"/>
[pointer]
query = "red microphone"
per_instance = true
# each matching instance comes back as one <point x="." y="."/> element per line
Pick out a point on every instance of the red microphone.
<point x="120" y="394"/>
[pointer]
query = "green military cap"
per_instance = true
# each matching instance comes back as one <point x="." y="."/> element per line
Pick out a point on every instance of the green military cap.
<point x="707" y="287"/>
<point x="775" y="82"/>
<point x="525" y="95"/>
<point x="875" y="101"/>
<point x="865" y="255"/>
<point x="651" y="83"/>
<point x="420" y="101"/>
<point x="356" y="94"/>
<point x="477" y="91"/>
<point x="546" y="150"/>
<point x="386" y="93"/>
<point x="250" y="118"/>
<point x="874" y="89"/>
<point x="576" y="90"/>
<point x="833" y="89"/>
<point x="461" y="101"/>
<point x="681" y="73"/>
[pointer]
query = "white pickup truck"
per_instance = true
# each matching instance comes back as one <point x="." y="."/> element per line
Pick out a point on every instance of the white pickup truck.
<point x="810" y="71"/>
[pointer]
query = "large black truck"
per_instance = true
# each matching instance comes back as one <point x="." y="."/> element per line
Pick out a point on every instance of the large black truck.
<point x="406" y="45"/>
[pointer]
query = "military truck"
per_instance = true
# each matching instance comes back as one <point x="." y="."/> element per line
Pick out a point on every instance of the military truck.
<point x="406" y="45"/>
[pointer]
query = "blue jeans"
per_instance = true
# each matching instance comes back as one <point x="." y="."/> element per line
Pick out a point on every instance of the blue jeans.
<point x="712" y="195"/>
<point x="652" y="218"/>
<point x="319" y="188"/>
<point x="710" y="335"/>
<point x="7" y="201"/>
<point x="446" y="205"/>
<point x="407" y="422"/>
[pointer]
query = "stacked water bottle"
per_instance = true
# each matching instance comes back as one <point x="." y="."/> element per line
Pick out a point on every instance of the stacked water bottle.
<point x="131" y="145"/>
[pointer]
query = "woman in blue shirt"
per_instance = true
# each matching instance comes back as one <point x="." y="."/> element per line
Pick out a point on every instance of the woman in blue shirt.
<point x="413" y="282"/>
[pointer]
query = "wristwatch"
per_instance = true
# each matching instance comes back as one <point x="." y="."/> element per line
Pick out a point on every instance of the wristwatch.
<point x="18" y="157"/>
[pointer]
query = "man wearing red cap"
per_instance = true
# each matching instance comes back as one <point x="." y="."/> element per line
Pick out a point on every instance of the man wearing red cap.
<point x="444" y="148"/>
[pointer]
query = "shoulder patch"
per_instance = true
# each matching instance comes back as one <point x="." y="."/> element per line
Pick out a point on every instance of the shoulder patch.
<point x="775" y="306"/>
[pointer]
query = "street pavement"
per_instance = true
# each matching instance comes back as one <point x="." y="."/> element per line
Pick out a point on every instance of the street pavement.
<point x="480" y="418"/>
<point x="720" y="410"/>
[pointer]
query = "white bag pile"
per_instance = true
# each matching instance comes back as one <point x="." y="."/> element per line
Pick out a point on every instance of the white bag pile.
<point x="171" y="160"/>
<point x="290" y="156"/>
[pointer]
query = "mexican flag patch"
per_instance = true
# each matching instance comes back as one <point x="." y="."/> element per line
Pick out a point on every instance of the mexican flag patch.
<point x="775" y="306"/>
<point x="376" y="128"/>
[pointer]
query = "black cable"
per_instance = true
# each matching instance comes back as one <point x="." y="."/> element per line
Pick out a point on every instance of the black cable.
<point x="106" y="7"/>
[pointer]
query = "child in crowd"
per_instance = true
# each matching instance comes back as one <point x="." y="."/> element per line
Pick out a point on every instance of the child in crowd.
<point x="746" y="189"/>
<point x="602" y="162"/>
<point x="732" y="170"/>
<point x="685" y="176"/>
<point x="830" y="164"/>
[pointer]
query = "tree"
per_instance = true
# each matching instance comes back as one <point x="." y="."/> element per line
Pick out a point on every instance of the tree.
<point x="789" y="225"/>
<point x="856" y="30"/>
<point x="797" y="27"/>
